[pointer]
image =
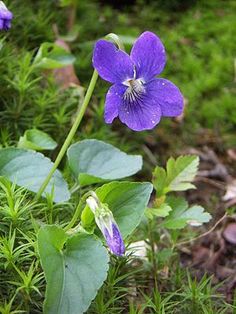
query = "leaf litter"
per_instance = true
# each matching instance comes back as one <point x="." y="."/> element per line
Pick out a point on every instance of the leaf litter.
<point x="215" y="252"/>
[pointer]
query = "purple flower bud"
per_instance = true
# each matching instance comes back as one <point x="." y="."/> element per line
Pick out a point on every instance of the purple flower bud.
<point x="5" y="17"/>
<point x="114" y="240"/>
<point x="106" y="223"/>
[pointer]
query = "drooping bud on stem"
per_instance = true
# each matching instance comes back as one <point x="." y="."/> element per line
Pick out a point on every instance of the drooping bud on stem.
<point x="107" y="224"/>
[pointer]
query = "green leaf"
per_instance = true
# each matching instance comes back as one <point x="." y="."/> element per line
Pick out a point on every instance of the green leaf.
<point x="74" y="267"/>
<point x="73" y="33"/>
<point x="36" y="140"/>
<point x="162" y="211"/>
<point x="29" y="169"/>
<point x="181" y="214"/>
<point x="159" y="180"/>
<point x="1" y="43"/>
<point x="94" y="161"/>
<point x="52" y="56"/>
<point x="65" y="3"/>
<point x="181" y="172"/>
<point x="127" y="201"/>
<point x="164" y="256"/>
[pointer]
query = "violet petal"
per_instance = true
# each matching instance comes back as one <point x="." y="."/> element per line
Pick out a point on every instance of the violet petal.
<point x="167" y="95"/>
<point x="112" y="64"/>
<point x="5" y="17"/>
<point x="148" y="55"/>
<point x="5" y="14"/>
<point x="113" y="102"/>
<point x="144" y="113"/>
<point x="115" y="241"/>
<point x="7" y="25"/>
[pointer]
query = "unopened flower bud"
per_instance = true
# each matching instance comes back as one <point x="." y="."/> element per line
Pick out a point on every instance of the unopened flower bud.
<point x="5" y="17"/>
<point x="107" y="224"/>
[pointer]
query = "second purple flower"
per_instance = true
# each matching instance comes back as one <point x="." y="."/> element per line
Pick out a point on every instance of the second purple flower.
<point x="136" y="96"/>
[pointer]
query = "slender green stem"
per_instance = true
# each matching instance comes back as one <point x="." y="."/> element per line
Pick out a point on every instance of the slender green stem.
<point x="153" y="255"/>
<point x="71" y="133"/>
<point x="117" y="41"/>
<point x="78" y="211"/>
<point x="114" y="38"/>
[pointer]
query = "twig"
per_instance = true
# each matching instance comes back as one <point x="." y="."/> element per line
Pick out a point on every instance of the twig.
<point x="150" y="155"/>
<point x="215" y="183"/>
<point x="205" y="233"/>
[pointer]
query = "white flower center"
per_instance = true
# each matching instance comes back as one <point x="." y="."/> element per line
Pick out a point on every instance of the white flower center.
<point x="134" y="91"/>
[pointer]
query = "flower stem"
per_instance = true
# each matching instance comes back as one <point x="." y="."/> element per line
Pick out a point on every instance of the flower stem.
<point x="77" y="211"/>
<point x="71" y="133"/>
<point x="116" y="39"/>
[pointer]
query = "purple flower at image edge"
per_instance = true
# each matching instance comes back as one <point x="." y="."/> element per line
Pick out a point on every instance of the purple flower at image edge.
<point x="5" y="17"/>
<point x="114" y="240"/>
<point x="137" y="97"/>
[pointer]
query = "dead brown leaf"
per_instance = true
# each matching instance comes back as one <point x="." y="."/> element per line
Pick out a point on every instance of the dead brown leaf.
<point x="230" y="191"/>
<point x="65" y="77"/>
<point x="231" y="153"/>
<point x="230" y="233"/>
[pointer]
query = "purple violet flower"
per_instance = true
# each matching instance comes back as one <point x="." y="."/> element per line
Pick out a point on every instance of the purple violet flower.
<point x="5" y="17"/>
<point x="114" y="240"/>
<point x="107" y="224"/>
<point x="136" y="96"/>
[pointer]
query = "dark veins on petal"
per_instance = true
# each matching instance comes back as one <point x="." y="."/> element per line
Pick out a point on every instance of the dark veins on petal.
<point x="134" y="93"/>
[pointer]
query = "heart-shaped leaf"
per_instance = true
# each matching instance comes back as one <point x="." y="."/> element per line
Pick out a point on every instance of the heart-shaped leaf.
<point x="74" y="267"/>
<point x="52" y="56"/>
<point x="94" y="161"/>
<point x="29" y="169"/>
<point x="36" y="140"/>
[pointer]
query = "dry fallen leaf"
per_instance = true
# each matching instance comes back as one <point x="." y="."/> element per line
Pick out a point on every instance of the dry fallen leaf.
<point x="200" y="254"/>
<point x="231" y="153"/>
<point x="223" y="272"/>
<point x="230" y="191"/>
<point x="230" y="233"/>
<point x="138" y="249"/>
<point x="65" y="77"/>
